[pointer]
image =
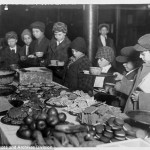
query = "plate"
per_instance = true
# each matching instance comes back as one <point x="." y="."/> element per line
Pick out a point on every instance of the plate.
<point x="54" y="105"/>
<point x="6" y="90"/>
<point x="9" y="122"/>
<point x="139" y="116"/>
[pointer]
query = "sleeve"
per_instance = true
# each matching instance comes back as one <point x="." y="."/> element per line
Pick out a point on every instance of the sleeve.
<point x="126" y="86"/>
<point x="85" y="82"/>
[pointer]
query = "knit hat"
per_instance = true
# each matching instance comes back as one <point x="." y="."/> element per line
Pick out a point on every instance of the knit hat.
<point x="103" y="25"/>
<point x="143" y="43"/>
<point x="11" y="35"/>
<point x="60" y="27"/>
<point x="105" y="52"/>
<point x="38" y="25"/>
<point x="128" y="54"/>
<point x="26" y="32"/>
<point x="79" y="44"/>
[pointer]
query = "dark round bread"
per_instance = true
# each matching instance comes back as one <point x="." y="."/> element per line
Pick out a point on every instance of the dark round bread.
<point x="120" y="133"/>
<point x="127" y="127"/>
<point x="108" y="128"/>
<point x="105" y="139"/>
<point x="98" y="135"/>
<point x="110" y="121"/>
<point x="99" y="128"/>
<point x="114" y="140"/>
<point x="119" y="121"/>
<point x="108" y="134"/>
<point x="120" y="138"/>
<point x="128" y="137"/>
<point x="116" y="128"/>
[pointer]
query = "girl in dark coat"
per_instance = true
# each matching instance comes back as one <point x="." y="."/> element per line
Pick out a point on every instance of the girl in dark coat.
<point x="74" y="79"/>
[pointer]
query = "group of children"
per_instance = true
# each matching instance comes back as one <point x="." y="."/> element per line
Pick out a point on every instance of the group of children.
<point x="135" y="59"/>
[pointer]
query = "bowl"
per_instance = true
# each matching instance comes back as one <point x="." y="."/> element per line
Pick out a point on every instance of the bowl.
<point x="60" y="63"/>
<point x="39" y="54"/>
<point x="16" y="103"/>
<point x="7" y="76"/>
<point x="95" y="70"/>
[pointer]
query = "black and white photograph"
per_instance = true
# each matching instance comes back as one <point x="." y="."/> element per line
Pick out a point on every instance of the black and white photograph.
<point x="74" y="74"/>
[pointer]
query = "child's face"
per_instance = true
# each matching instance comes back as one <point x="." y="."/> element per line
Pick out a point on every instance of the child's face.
<point x="12" y="42"/>
<point x="37" y="33"/>
<point x="145" y="56"/>
<point x="102" y="62"/>
<point x="76" y="53"/>
<point x="59" y="36"/>
<point x="27" y="39"/>
<point x="128" y="66"/>
<point x="103" y="31"/>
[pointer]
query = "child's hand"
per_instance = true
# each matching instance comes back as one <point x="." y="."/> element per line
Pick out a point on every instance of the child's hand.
<point x="119" y="76"/>
<point x="117" y="86"/>
<point x="135" y="95"/>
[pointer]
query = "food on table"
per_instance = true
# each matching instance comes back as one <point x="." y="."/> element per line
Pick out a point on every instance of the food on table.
<point x="94" y="115"/>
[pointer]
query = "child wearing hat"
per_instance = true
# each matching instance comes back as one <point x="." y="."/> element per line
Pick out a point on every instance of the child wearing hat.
<point x="139" y="97"/>
<point x="105" y="57"/>
<point x="11" y="52"/>
<point x="41" y="43"/>
<point x="58" y="50"/>
<point x="104" y="40"/>
<point x="130" y="59"/>
<point x="74" y="79"/>
<point x="28" y="48"/>
<point x="60" y="43"/>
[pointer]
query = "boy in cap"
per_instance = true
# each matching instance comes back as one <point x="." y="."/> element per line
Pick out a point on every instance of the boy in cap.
<point x="105" y="57"/>
<point x="41" y="43"/>
<point x="60" y="43"/>
<point x="11" y="53"/>
<point x="130" y="59"/>
<point x="74" y="79"/>
<point x="58" y="50"/>
<point x="139" y="99"/>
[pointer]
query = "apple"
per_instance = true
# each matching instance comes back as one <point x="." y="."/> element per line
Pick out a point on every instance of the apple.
<point x="52" y="111"/>
<point x="42" y="116"/>
<point x="28" y="120"/>
<point x="62" y="117"/>
<point x="52" y="120"/>
<point x="41" y="124"/>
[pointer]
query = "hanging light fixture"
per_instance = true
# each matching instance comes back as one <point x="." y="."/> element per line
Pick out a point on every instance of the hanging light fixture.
<point x="6" y="7"/>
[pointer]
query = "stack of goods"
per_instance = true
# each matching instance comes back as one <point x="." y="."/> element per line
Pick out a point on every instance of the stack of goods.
<point x="93" y="115"/>
<point x="35" y="75"/>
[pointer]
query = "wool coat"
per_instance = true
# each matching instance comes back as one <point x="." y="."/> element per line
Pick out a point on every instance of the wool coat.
<point x="9" y="57"/>
<point x="75" y="80"/>
<point x="144" y="98"/>
<point x="60" y="52"/>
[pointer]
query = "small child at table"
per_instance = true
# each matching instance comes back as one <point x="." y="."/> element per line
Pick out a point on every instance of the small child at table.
<point x="105" y="57"/>
<point x="11" y="52"/>
<point x="74" y="79"/>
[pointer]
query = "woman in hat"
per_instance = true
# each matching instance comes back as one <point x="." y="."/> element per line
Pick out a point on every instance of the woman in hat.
<point x="139" y="97"/>
<point x="105" y="57"/>
<point x="74" y="79"/>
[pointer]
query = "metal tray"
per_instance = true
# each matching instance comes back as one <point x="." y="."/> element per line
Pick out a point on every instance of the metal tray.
<point x="139" y="116"/>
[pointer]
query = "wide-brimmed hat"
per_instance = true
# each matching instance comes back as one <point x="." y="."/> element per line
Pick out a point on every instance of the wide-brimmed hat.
<point x="103" y="25"/>
<point x="128" y="54"/>
<point x="105" y="52"/>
